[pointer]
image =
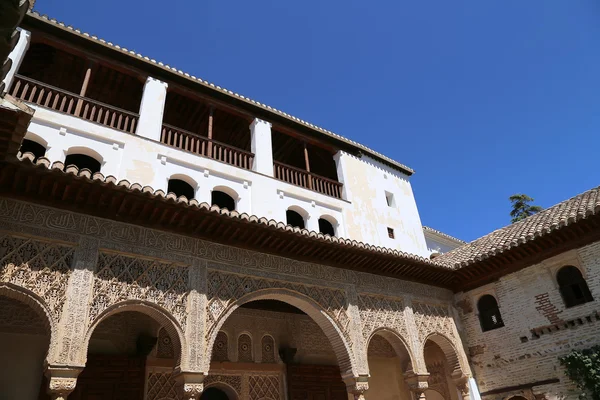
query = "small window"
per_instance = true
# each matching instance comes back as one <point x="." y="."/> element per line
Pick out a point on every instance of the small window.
<point x="180" y="188"/>
<point x="29" y="146"/>
<point x="294" y="219"/>
<point x="573" y="287"/>
<point x="223" y="200"/>
<point x="82" y="161"/>
<point x="326" y="227"/>
<point x="389" y="198"/>
<point x="390" y="233"/>
<point x="489" y="313"/>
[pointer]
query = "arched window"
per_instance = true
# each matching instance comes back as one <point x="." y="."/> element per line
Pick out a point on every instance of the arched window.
<point x="29" y="146"/>
<point x="489" y="313"/>
<point x="245" y="348"/>
<point x="223" y="200"/>
<point x="180" y="188"/>
<point x="294" y="219"/>
<point x="214" y="393"/>
<point x="573" y="288"/>
<point x="326" y="227"/>
<point x="82" y="161"/>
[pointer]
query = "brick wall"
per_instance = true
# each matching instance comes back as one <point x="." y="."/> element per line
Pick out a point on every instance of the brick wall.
<point x="529" y="301"/>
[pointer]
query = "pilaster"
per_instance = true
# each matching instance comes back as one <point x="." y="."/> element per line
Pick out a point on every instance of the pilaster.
<point x="359" y="347"/>
<point x="339" y="159"/>
<point x="17" y="55"/>
<point x="413" y="337"/>
<point x="152" y="108"/>
<point x="70" y="350"/>
<point x="262" y="147"/>
<point x="195" y="331"/>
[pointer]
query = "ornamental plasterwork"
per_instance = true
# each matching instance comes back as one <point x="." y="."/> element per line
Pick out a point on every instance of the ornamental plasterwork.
<point x="380" y="347"/>
<point x="134" y="239"/>
<point x="41" y="267"/>
<point x="120" y="278"/>
<point x="160" y="386"/>
<point x="220" y="350"/>
<point x="225" y="288"/>
<point x="381" y="312"/>
<point x="234" y="381"/>
<point x="18" y="317"/>
<point x="437" y="378"/>
<point x="263" y="387"/>
<point x="244" y="348"/>
<point x="164" y="345"/>
<point x="267" y="349"/>
<point x="432" y="318"/>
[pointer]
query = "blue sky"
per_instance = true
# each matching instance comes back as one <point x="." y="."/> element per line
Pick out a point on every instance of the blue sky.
<point x="482" y="98"/>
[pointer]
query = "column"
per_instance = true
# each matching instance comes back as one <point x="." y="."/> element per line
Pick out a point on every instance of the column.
<point x="413" y="337"/>
<point x="17" y="55"/>
<point x="340" y="161"/>
<point x="262" y="147"/>
<point x="417" y="384"/>
<point x="473" y="390"/>
<point x="357" y="387"/>
<point x="152" y="108"/>
<point x="191" y="385"/>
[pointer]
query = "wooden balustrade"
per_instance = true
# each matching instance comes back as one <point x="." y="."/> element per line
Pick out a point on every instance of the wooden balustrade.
<point x="308" y="180"/>
<point x="201" y="145"/>
<point x="39" y="93"/>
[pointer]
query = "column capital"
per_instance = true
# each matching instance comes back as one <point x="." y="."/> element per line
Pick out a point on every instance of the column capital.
<point x="61" y="381"/>
<point x="191" y="384"/>
<point x="417" y="383"/>
<point x="462" y="384"/>
<point x="357" y="386"/>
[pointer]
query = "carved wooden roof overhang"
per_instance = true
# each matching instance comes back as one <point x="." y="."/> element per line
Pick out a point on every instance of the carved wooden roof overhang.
<point x="131" y="60"/>
<point x="104" y="197"/>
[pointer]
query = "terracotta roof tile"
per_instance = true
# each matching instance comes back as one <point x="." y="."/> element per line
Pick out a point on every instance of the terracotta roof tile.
<point x="556" y="217"/>
<point x="435" y="231"/>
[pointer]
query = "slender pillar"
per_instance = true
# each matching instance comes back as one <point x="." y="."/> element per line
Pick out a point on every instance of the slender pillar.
<point x="340" y="161"/>
<point x="17" y="55"/>
<point x="262" y="147"/>
<point x="61" y="381"/>
<point x="191" y="385"/>
<point x="211" y="115"/>
<point x="417" y="384"/>
<point x="84" y="86"/>
<point x="152" y="109"/>
<point x="307" y="162"/>
<point x="357" y="387"/>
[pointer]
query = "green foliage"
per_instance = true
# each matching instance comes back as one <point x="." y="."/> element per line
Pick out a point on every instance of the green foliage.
<point x="521" y="207"/>
<point x="583" y="368"/>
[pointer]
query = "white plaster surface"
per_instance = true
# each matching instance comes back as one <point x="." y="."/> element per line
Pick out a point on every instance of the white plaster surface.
<point x="17" y="55"/>
<point x="152" y="108"/>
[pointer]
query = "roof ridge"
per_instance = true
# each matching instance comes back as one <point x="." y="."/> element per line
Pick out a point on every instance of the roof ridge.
<point x="44" y="17"/>
<point x="430" y="229"/>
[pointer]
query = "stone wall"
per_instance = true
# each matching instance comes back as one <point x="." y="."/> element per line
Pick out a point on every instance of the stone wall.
<point x="538" y="328"/>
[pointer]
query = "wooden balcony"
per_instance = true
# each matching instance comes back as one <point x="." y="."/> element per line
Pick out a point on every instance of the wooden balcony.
<point x="308" y="180"/>
<point x="51" y="97"/>
<point x="203" y="146"/>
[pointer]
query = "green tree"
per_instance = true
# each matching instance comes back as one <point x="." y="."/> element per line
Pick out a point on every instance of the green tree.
<point x="521" y="207"/>
<point x="583" y="368"/>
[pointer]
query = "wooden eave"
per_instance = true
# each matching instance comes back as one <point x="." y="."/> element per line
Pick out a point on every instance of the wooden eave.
<point x="34" y="23"/>
<point x="22" y="180"/>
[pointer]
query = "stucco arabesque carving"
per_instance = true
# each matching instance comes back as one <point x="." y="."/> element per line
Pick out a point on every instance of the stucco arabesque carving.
<point x="178" y="248"/>
<point x="433" y="318"/>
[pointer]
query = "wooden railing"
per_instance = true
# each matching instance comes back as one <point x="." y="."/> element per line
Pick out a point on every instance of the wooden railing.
<point x="195" y="143"/>
<point x="308" y="180"/>
<point x="39" y="93"/>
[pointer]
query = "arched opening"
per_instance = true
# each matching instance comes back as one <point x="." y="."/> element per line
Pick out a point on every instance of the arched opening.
<point x="308" y="346"/>
<point x="388" y="360"/>
<point x="518" y="398"/>
<point x="443" y="367"/>
<point x="222" y="200"/>
<point x="82" y="161"/>
<point x="122" y="346"/>
<point x="180" y="187"/>
<point x="326" y="227"/>
<point x="214" y="393"/>
<point x="29" y="146"/>
<point x="295" y="219"/>
<point x="489" y="313"/>
<point x="573" y="287"/>
<point x="24" y="341"/>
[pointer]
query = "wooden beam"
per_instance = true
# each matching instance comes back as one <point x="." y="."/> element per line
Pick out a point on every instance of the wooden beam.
<point x="84" y="86"/>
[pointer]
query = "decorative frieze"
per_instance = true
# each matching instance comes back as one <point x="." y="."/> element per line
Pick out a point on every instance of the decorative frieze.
<point x="432" y="318"/>
<point x="378" y="312"/>
<point x="264" y="387"/>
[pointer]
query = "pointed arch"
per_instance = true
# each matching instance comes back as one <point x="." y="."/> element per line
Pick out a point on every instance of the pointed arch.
<point x="160" y="315"/>
<point x="454" y="360"/>
<point x="341" y="347"/>
<point x="399" y="344"/>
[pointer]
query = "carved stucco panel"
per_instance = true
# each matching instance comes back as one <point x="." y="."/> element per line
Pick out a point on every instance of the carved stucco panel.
<point x="378" y="312"/>
<point x="433" y="318"/>
<point x="119" y="278"/>
<point x="40" y="267"/>
<point x="225" y="288"/>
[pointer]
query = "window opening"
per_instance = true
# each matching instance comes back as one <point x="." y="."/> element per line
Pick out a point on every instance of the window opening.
<point x="29" y="146"/>
<point x="489" y="313"/>
<point x="223" y="200"/>
<point x="294" y="219"/>
<point x="326" y="227"/>
<point x="390" y="233"/>
<point x="82" y="161"/>
<point x="573" y="287"/>
<point x="180" y="188"/>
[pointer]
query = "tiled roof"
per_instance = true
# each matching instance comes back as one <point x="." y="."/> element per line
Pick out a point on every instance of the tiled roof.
<point x="563" y="214"/>
<point x="442" y="234"/>
<point x="159" y="194"/>
<point x="212" y="86"/>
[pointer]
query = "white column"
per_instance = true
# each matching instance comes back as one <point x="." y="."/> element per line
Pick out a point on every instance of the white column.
<point x="17" y="55"/>
<point x="262" y="147"/>
<point x="152" y="108"/>
<point x="473" y="390"/>
<point x="340" y="159"/>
